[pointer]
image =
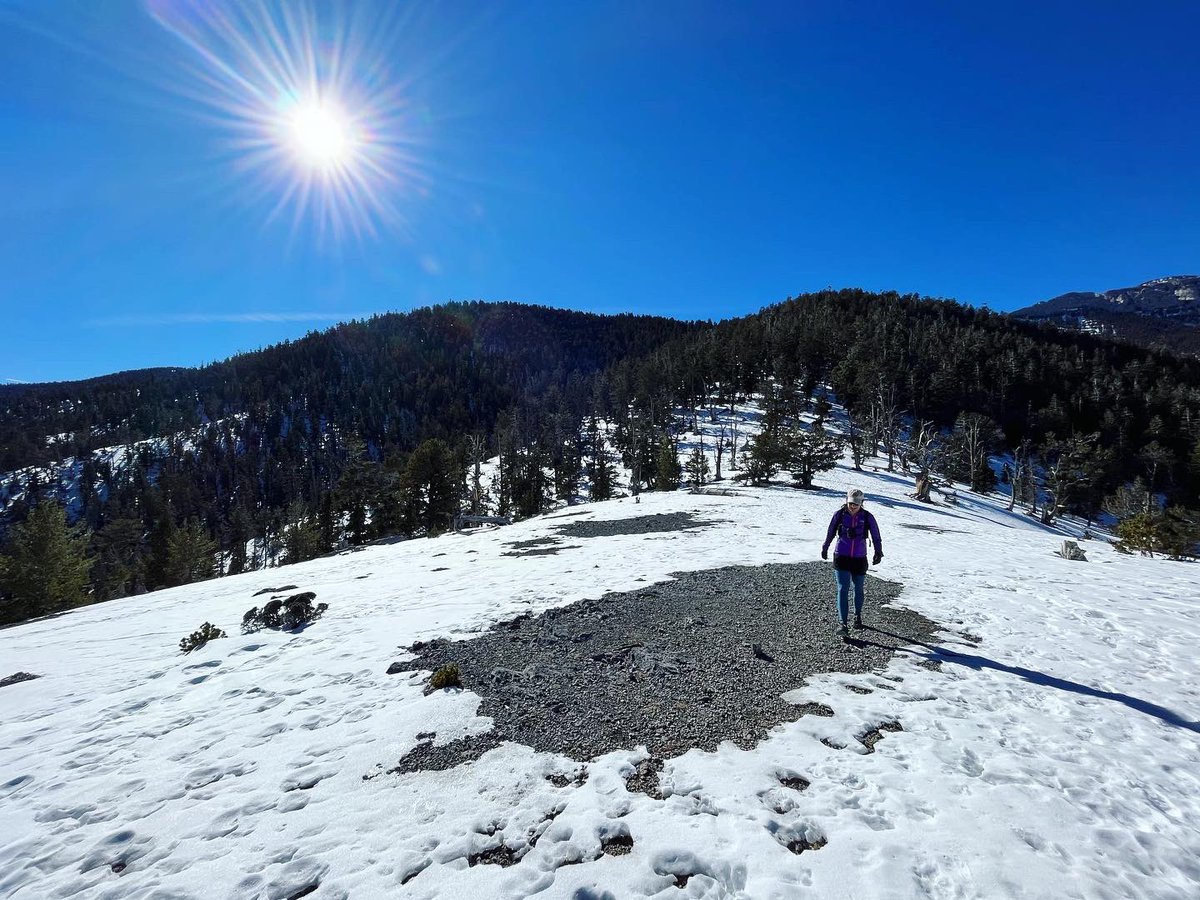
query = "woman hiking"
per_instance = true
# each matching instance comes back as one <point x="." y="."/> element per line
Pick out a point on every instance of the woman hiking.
<point x="850" y="525"/>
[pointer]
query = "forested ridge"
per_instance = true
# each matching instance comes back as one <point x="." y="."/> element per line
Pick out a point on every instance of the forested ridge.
<point x="380" y="428"/>
<point x="441" y="371"/>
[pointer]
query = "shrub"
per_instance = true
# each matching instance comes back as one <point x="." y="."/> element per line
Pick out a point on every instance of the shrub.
<point x="1180" y="533"/>
<point x="1175" y="533"/>
<point x="290" y="614"/>
<point x="1137" y="535"/>
<point x="445" y="677"/>
<point x="201" y="636"/>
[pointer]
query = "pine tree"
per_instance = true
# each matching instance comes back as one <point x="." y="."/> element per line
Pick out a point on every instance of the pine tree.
<point x="192" y="554"/>
<point x="388" y="516"/>
<point x="45" y="568"/>
<point x="359" y="490"/>
<point x="600" y="470"/>
<point x="568" y="462"/>
<point x="162" y="533"/>
<point x="116" y="567"/>
<point x="1179" y="530"/>
<point x="327" y="523"/>
<point x="697" y="469"/>
<point x="301" y="536"/>
<point x="667" y="469"/>
<point x="766" y="453"/>
<point x="811" y="451"/>
<point x="432" y="487"/>
<point x="239" y="534"/>
<point x="530" y="486"/>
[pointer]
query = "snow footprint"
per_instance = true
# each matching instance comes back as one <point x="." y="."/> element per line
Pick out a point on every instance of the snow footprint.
<point x="117" y="851"/>
<point x="969" y="762"/>
<point x="798" y="837"/>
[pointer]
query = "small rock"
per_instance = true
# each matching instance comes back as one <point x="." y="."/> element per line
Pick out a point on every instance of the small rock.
<point x="616" y="844"/>
<point x="17" y="677"/>
<point x="799" y="845"/>
<point x="794" y="782"/>
<point x="495" y="856"/>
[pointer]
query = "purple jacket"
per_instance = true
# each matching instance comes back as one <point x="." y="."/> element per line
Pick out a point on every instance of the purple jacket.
<point x="851" y="531"/>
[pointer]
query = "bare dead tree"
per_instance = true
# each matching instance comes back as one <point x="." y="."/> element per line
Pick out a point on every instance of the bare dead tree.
<point x="1075" y="463"/>
<point x="476" y="448"/>
<point x="1154" y="459"/>
<point x="1023" y="485"/>
<point x="857" y="439"/>
<point x="635" y="485"/>
<point x="720" y="451"/>
<point x="923" y="450"/>
<point x="886" y="416"/>
<point x="733" y="441"/>
<point x="976" y="434"/>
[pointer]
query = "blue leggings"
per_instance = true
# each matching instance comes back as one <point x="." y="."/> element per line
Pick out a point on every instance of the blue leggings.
<point x="844" y="580"/>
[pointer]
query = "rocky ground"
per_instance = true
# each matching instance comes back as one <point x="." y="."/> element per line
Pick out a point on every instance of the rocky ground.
<point x="686" y="663"/>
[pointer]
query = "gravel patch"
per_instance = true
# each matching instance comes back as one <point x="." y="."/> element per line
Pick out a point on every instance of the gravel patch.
<point x="659" y="522"/>
<point x="533" y="542"/>
<point x="679" y="521"/>
<point x="683" y="664"/>
<point x="542" y="551"/>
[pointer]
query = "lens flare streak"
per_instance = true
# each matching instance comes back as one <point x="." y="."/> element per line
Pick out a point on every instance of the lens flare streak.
<point x="312" y="114"/>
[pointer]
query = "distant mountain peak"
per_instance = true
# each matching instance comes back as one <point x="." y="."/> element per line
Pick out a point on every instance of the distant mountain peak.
<point x="1162" y="312"/>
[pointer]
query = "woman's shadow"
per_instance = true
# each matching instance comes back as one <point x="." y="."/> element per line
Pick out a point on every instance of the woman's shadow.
<point x="978" y="663"/>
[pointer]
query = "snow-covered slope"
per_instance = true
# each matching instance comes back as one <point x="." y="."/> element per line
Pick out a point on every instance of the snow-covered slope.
<point x="1058" y="758"/>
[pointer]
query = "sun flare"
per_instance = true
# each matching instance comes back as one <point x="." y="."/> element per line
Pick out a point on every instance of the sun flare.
<point x="316" y="118"/>
<point x="320" y="135"/>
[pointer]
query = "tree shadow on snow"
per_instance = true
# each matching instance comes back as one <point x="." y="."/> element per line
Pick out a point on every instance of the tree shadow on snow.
<point x="889" y="503"/>
<point x="965" y="510"/>
<point x="978" y="663"/>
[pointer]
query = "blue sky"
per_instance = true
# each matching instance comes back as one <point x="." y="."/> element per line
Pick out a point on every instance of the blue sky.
<point x="693" y="159"/>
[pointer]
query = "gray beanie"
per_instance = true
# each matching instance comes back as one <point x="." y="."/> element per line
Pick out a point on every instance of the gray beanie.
<point x="854" y="495"/>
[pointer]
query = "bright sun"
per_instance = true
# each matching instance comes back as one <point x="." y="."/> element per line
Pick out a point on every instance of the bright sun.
<point x="320" y="135"/>
<point x="309" y="98"/>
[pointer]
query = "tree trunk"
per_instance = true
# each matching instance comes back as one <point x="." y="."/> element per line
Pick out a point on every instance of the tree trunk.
<point x="923" y="487"/>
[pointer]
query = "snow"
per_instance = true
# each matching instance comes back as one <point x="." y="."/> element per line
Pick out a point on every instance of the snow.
<point x="1058" y="758"/>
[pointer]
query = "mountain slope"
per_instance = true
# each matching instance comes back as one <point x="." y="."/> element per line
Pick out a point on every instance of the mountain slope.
<point x="248" y="437"/>
<point x="388" y="378"/>
<point x="1164" y="312"/>
<point x="1048" y="744"/>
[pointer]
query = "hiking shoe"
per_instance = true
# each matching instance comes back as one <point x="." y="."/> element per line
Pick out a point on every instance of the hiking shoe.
<point x="843" y="631"/>
<point x="858" y="623"/>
